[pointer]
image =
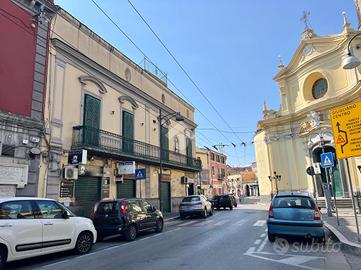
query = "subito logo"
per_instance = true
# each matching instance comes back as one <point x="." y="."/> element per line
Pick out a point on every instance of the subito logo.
<point x="281" y="246"/>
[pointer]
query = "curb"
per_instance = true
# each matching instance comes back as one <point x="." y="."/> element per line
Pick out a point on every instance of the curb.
<point x="346" y="245"/>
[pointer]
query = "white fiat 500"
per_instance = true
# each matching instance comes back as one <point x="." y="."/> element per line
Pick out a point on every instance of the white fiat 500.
<point x="37" y="226"/>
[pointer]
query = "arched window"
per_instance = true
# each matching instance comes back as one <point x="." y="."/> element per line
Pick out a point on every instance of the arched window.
<point x="319" y="88"/>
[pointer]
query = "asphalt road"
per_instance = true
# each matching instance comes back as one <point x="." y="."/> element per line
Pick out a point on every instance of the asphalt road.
<point x="228" y="240"/>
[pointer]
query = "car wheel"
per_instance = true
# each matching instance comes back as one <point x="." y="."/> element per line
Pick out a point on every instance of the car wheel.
<point x="3" y="258"/>
<point x="131" y="233"/>
<point x="231" y="208"/>
<point x="84" y="243"/>
<point x="211" y="212"/>
<point x="182" y="217"/>
<point x="271" y="237"/>
<point x="204" y="214"/>
<point x="159" y="225"/>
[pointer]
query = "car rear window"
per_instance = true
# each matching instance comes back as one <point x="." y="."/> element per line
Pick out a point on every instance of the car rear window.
<point x="191" y="199"/>
<point x="224" y="197"/>
<point x="293" y="202"/>
<point x="107" y="208"/>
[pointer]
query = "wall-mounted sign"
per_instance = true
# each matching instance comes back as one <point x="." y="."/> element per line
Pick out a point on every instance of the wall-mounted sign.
<point x="14" y="174"/>
<point x="140" y="174"/>
<point x="66" y="189"/>
<point x="77" y="157"/>
<point x="316" y="168"/>
<point x="126" y="167"/>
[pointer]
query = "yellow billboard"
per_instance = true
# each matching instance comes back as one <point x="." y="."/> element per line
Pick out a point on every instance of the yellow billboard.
<point x="346" y="125"/>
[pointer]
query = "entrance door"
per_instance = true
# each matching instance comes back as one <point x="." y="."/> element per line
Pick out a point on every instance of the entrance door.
<point x="165" y="196"/>
<point x="128" y="132"/>
<point x="126" y="189"/>
<point x="190" y="189"/>
<point x="91" y="120"/>
<point x="336" y="172"/>
<point x="87" y="193"/>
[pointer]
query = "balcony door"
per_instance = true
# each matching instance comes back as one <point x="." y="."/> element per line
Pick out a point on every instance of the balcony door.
<point x="91" y="120"/>
<point x="128" y="132"/>
<point x="189" y="151"/>
<point x="165" y="144"/>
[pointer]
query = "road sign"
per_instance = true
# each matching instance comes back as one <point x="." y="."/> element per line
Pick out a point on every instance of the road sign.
<point x="346" y="125"/>
<point x="316" y="168"/>
<point x="139" y="174"/>
<point x="327" y="160"/>
<point x="126" y="167"/>
<point x="310" y="171"/>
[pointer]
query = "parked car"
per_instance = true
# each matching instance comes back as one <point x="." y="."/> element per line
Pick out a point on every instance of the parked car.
<point x="127" y="217"/>
<point x="36" y="226"/>
<point x="224" y="201"/>
<point x="196" y="205"/>
<point x="294" y="214"/>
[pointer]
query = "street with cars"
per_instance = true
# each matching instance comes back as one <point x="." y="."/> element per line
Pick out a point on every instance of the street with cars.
<point x="228" y="239"/>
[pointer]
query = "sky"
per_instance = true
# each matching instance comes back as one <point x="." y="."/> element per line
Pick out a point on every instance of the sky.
<point x="229" y="48"/>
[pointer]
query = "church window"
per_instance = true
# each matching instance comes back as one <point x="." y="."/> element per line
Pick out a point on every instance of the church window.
<point x="319" y="88"/>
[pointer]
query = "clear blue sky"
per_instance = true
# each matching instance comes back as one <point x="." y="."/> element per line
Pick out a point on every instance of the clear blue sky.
<point x="229" y="47"/>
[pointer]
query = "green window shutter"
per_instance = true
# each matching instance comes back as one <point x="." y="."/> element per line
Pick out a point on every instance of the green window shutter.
<point x="189" y="151"/>
<point x="128" y="132"/>
<point x="91" y="120"/>
<point x="165" y="143"/>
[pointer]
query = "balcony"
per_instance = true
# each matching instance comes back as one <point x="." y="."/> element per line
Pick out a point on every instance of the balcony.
<point x="108" y="144"/>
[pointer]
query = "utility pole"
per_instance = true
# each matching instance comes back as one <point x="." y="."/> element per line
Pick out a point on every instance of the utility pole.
<point x="326" y="187"/>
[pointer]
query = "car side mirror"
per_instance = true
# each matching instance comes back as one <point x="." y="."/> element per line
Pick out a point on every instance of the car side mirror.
<point x="151" y="209"/>
<point x="65" y="214"/>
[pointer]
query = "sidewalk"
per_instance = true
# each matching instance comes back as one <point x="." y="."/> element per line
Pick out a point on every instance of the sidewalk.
<point x="170" y="216"/>
<point x="346" y="232"/>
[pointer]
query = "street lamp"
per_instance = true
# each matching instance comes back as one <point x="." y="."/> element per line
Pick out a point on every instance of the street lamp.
<point x="275" y="177"/>
<point x="350" y="61"/>
<point x="162" y="119"/>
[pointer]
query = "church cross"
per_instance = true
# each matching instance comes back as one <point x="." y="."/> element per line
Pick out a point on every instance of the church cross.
<point x="305" y="19"/>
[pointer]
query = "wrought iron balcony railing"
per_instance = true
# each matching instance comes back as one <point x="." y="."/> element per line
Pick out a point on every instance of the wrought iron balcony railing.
<point x="116" y="145"/>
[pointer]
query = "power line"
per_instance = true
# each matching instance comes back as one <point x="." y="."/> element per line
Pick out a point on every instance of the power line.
<point x="184" y="71"/>
<point x="145" y="56"/>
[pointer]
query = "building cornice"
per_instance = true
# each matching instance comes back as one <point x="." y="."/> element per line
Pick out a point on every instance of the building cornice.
<point x="87" y="31"/>
<point x="72" y="53"/>
<point x="328" y="104"/>
<point x="8" y="118"/>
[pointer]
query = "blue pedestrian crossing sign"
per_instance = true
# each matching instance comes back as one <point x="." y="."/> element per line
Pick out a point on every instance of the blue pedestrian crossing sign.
<point x="327" y="160"/>
<point x="139" y="174"/>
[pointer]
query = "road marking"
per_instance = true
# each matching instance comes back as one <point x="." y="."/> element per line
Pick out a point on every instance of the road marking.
<point x="257" y="242"/>
<point x="241" y="222"/>
<point x="220" y="223"/>
<point x="262" y="245"/>
<point x="52" y="264"/>
<point x="187" y="223"/>
<point x="293" y="260"/>
<point x="263" y="235"/>
<point x="260" y="223"/>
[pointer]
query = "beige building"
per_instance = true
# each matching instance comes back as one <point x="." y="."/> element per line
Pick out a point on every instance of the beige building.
<point x="100" y="101"/>
<point x="290" y="139"/>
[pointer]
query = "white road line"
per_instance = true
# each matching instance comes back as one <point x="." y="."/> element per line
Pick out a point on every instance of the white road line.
<point x="260" y="223"/>
<point x="241" y="222"/>
<point x="222" y="222"/>
<point x="262" y="245"/>
<point x="52" y="264"/>
<point x="263" y="235"/>
<point x="187" y="223"/>
<point x="257" y="242"/>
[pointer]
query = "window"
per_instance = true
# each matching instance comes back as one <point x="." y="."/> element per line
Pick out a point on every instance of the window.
<point x="50" y="210"/>
<point x="108" y="208"/>
<point x="7" y="150"/>
<point x="134" y="207"/>
<point x="146" y="206"/>
<point x="212" y="170"/>
<point x="293" y="202"/>
<point x="217" y="158"/>
<point x="319" y="88"/>
<point x="16" y="210"/>
<point x="212" y="156"/>
<point x="191" y="199"/>
<point x="163" y="98"/>
<point x="176" y="144"/>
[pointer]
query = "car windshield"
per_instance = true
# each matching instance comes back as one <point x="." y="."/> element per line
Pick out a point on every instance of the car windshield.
<point x="293" y="202"/>
<point x="191" y="199"/>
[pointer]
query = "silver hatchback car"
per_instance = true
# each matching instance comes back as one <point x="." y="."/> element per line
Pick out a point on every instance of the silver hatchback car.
<point x="196" y="205"/>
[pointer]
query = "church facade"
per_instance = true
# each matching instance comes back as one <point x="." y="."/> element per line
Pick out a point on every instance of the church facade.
<point x="291" y="139"/>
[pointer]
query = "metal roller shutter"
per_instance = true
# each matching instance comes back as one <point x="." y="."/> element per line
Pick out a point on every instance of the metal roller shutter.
<point x="126" y="189"/>
<point x="87" y="193"/>
<point x="165" y="196"/>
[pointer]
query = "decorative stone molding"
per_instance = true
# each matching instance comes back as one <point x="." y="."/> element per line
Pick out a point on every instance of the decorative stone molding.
<point x="312" y="122"/>
<point x="129" y="99"/>
<point x="85" y="78"/>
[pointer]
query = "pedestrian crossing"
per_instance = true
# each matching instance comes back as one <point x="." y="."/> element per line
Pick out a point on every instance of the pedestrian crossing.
<point x="204" y="223"/>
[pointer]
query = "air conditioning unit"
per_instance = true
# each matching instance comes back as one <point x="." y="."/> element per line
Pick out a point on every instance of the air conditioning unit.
<point x="70" y="172"/>
<point x="184" y="180"/>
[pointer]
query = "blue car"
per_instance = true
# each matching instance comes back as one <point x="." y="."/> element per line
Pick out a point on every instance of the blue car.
<point x="294" y="214"/>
